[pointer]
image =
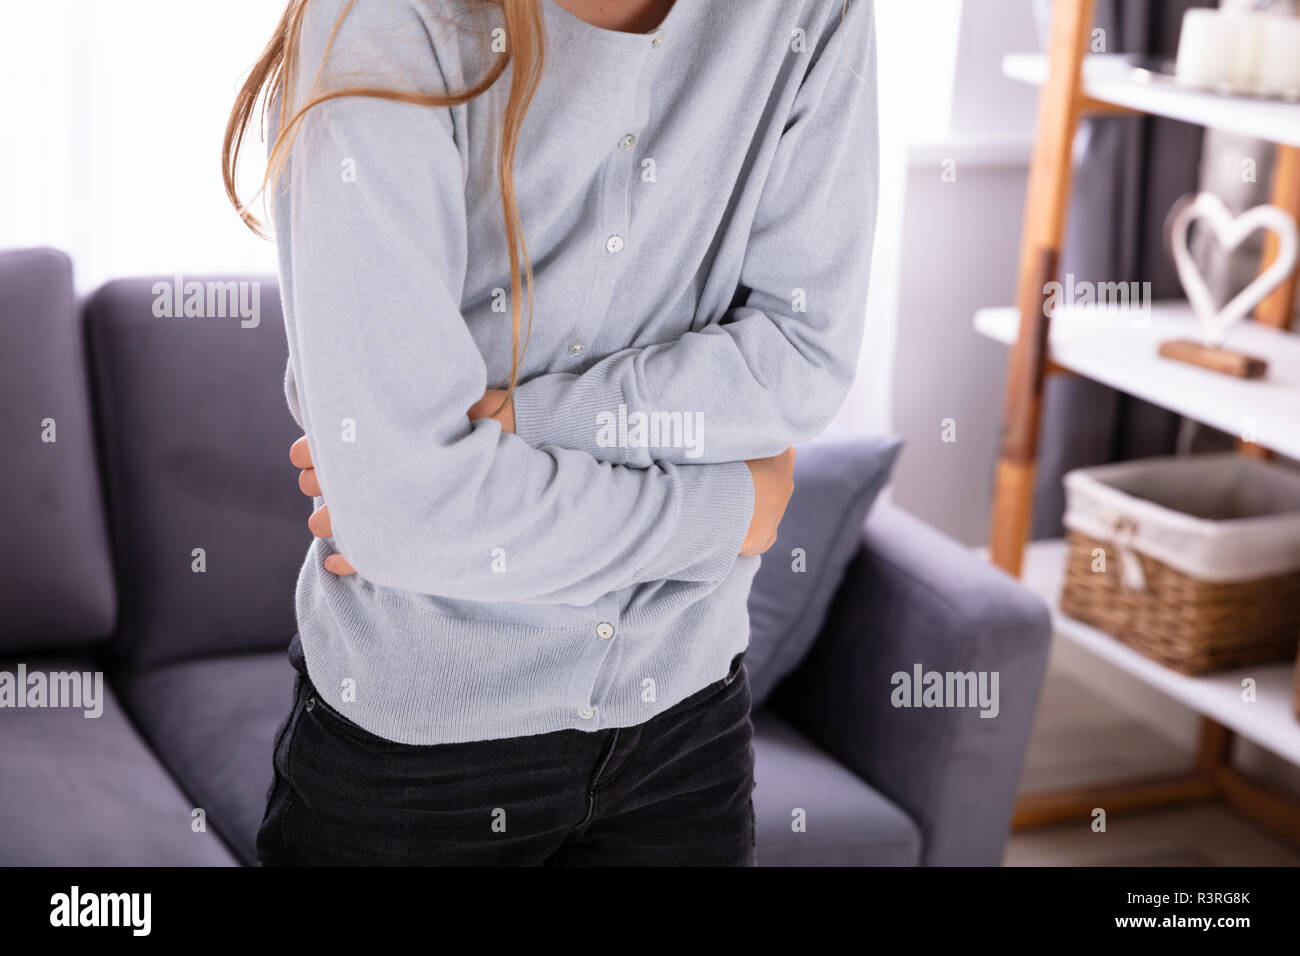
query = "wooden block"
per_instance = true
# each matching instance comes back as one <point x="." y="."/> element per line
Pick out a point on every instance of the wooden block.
<point x="1215" y="359"/>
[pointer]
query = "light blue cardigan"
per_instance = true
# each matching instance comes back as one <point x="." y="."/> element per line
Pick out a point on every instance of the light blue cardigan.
<point x="698" y="204"/>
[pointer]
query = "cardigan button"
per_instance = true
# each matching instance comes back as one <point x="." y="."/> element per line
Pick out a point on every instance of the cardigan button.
<point x="587" y="713"/>
<point x="576" y="347"/>
<point x="604" y="630"/>
<point x="658" y="40"/>
<point x="614" y="243"/>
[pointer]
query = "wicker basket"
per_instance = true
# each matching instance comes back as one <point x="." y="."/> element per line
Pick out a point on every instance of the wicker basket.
<point x="1193" y="562"/>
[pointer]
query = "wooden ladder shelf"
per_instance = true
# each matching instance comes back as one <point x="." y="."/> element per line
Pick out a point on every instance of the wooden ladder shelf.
<point x="1063" y="102"/>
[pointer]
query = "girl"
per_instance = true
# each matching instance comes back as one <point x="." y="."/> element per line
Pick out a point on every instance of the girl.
<point x="562" y="280"/>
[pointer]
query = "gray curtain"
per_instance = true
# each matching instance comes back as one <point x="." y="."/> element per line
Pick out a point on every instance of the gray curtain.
<point x="1129" y="172"/>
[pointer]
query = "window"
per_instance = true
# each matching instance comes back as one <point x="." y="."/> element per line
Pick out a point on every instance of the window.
<point x="113" y="115"/>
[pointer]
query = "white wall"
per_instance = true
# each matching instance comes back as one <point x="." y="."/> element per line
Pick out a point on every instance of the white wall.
<point x="985" y="102"/>
<point x="957" y="250"/>
<point x="917" y="53"/>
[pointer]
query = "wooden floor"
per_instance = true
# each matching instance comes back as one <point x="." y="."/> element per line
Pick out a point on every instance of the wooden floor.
<point x="1080" y="738"/>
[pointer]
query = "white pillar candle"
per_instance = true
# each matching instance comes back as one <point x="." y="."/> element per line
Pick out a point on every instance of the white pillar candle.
<point x="1206" y="50"/>
<point x="1245" y="33"/>
<point x="1278" y="73"/>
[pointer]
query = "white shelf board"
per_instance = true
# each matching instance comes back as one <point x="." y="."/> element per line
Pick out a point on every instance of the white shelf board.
<point x="1269" y="721"/>
<point x="1121" y="351"/>
<point x="1111" y="78"/>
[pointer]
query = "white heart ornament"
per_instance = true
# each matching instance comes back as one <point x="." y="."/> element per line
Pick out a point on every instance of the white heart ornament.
<point x="1230" y="233"/>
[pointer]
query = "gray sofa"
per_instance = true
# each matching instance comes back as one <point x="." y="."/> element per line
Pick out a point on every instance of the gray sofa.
<point x="170" y="436"/>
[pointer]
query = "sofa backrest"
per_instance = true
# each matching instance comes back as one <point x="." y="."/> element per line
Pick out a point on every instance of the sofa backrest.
<point x="208" y="526"/>
<point x="56" y="577"/>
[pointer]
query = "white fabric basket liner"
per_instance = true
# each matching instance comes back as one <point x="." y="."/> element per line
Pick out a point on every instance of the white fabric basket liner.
<point x="1216" y="518"/>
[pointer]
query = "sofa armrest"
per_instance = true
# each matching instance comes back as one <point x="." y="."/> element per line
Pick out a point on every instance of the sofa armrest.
<point x="913" y="597"/>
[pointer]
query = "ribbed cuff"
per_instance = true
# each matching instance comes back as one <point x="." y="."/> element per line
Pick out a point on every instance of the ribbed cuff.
<point x="565" y="410"/>
<point x="715" y="509"/>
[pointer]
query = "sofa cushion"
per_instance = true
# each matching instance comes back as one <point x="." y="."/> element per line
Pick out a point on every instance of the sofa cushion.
<point x="844" y="821"/>
<point x="836" y="480"/>
<point x="213" y="723"/>
<point x="58" y="579"/>
<point x="86" y="791"/>
<point x="195" y="436"/>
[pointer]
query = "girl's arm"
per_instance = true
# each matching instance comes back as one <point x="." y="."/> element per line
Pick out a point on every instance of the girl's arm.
<point x="774" y="371"/>
<point x="421" y="498"/>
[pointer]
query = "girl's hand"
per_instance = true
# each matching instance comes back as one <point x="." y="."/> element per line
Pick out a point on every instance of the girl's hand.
<point x="319" y="522"/>
<point x="773" y="486"/>
<point x="486" y="407"/>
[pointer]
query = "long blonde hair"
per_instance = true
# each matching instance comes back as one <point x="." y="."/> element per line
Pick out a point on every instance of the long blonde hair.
<point x="273" y="75"/>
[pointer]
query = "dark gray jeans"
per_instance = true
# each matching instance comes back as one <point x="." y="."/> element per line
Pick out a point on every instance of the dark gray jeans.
<point x="675" y="790"/>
